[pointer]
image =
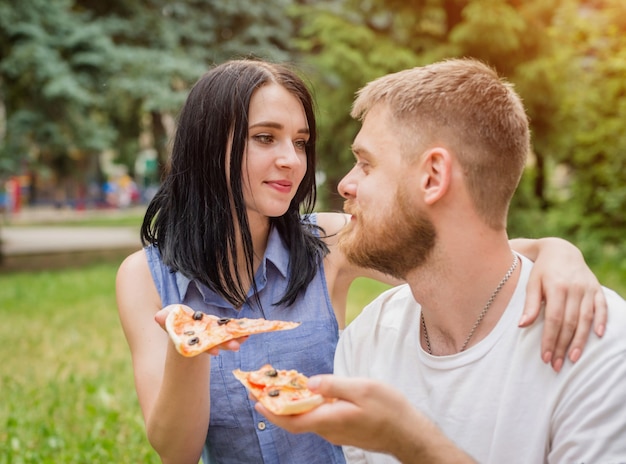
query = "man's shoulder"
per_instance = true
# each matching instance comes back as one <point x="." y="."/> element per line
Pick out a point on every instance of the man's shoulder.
<point x="616" y="322"/>
<point x="384" y="326"/>
<point x="390" y="308"/>
<point x="395" y="298"/>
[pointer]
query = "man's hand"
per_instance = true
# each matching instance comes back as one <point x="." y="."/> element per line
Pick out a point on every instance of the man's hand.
<point x="371" y="415"/>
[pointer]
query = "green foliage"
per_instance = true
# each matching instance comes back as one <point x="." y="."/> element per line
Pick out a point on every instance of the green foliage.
<point x="362" y="292"/>
<point x="77" y="77"/>
<point x="483" y="21"/>
<point x="343" y="53"/>
<point x="52" y="66"/>
<point x="566" y="58"/>
<point x="86" y="73"/>
<point x="592" y="118"/>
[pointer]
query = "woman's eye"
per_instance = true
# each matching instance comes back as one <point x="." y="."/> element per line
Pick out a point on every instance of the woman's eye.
<point x="300" y="144"/>
<point x="264" y="138"/>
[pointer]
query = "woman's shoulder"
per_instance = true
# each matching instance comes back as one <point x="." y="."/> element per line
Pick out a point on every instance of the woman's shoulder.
<point x="133" y="263"/>
<point x="331" y="223"/>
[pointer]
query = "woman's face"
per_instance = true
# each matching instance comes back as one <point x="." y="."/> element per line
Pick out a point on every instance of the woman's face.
<point x="274" y="163"/>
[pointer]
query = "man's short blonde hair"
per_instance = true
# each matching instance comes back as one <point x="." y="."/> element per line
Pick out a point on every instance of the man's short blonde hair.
<point x="464" y="106"/>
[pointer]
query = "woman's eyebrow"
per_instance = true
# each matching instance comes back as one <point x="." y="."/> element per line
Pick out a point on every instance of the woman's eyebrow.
<point x="275" y="125"/>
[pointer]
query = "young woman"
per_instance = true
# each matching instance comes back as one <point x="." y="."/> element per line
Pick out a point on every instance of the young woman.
<point x="230" y="232"/>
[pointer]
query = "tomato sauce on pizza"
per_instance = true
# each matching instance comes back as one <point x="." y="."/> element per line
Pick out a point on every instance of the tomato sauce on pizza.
<point x="281" y="391"/>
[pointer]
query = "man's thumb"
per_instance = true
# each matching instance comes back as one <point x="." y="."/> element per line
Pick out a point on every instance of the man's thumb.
<point x="328" y="385"/>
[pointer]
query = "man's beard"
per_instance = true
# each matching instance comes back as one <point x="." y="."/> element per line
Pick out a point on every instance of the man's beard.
<point x="394" y="244"/>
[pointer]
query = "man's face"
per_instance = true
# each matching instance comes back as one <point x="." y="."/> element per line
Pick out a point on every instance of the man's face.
<point x="389" y="230"/>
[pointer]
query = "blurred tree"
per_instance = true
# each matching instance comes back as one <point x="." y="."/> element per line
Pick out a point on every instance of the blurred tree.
<point x="346" y="44"/>
<point x="162" y="48"/>
<point x="352" y="42"/>
<point x="79" y="77"/>
<point x="566" y="58"/>
<point x="52" y="64"/>
<point x="594" y="110"/>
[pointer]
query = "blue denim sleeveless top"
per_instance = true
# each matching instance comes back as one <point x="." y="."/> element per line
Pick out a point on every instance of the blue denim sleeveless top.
<point x="237" y="433"/>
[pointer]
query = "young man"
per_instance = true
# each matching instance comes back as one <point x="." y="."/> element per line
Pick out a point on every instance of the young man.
<point x="439" y="156"/>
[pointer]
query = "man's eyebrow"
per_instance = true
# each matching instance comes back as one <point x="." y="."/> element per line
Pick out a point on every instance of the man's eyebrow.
<point x="275" y="125"/>
<point x="359" y="150"/>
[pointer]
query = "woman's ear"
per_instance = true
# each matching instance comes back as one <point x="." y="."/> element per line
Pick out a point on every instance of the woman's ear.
<point x="436" y="172"/>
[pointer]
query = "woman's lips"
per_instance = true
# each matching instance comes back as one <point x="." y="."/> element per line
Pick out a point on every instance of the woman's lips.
<point x="283" y="186"/>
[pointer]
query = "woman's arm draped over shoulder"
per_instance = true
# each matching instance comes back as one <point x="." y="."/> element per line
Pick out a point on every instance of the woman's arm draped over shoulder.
<point x="571" y="293"/>
<point x="173" y="391"/>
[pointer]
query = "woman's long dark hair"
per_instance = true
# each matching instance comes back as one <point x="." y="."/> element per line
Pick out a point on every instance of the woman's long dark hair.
<point x="190" y="219"/>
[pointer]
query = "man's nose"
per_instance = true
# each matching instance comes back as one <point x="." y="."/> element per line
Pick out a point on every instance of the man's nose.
<point x="347" y="187"/>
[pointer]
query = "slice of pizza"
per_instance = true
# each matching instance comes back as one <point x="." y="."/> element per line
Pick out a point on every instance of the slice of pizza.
<point x="194" y="332"/>
<point x="282" y="392"/>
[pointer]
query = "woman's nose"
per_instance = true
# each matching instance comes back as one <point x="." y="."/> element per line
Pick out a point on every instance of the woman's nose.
<point x="290" y="155"/>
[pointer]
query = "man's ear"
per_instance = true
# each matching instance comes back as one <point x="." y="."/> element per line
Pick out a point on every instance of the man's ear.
<point x="436" y="168"/>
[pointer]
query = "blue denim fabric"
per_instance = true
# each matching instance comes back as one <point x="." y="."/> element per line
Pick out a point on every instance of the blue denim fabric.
<point x="237" y="433"/>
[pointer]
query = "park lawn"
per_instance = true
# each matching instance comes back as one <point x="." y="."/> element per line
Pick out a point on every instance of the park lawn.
<point x="66" y="387"/>
<point x="66" y="380"/>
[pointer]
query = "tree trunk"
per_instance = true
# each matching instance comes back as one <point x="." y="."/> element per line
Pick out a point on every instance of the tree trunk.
<point x="159" y="135"/>
<point x="540" y="181"/>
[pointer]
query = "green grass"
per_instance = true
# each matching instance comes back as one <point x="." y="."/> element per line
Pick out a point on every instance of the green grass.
<point x="66" y="387"/>
<point x="361" y="293"/>
<point x="67" y="394"/>
<point x="66" y="378"/>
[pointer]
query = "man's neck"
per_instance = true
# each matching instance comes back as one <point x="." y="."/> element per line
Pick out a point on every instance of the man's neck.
<point x="454" y="288"/>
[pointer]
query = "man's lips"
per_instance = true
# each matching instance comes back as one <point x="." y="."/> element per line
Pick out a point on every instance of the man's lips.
<point x="350" y="209"/>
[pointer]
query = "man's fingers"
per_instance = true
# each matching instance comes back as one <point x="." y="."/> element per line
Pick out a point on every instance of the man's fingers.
<point x="332" y="386"/>
<point x="317" y="420"/>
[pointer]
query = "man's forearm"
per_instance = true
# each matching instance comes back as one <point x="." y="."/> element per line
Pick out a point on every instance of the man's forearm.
<point x="422" y="441"/>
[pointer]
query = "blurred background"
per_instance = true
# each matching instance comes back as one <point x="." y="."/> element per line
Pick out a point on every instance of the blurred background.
<point x="89" y="95"/>
<point x="90" y="90"/>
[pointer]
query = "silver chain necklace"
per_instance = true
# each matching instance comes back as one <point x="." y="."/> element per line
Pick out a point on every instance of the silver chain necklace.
<point x="504" y="280"/>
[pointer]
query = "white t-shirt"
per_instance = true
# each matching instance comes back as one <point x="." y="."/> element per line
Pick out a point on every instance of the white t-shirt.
<point x="497" y="400"/>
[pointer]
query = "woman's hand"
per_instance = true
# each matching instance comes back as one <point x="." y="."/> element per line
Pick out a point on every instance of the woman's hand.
<point x="231" y="345"/>
<point x="563" y="285"/>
